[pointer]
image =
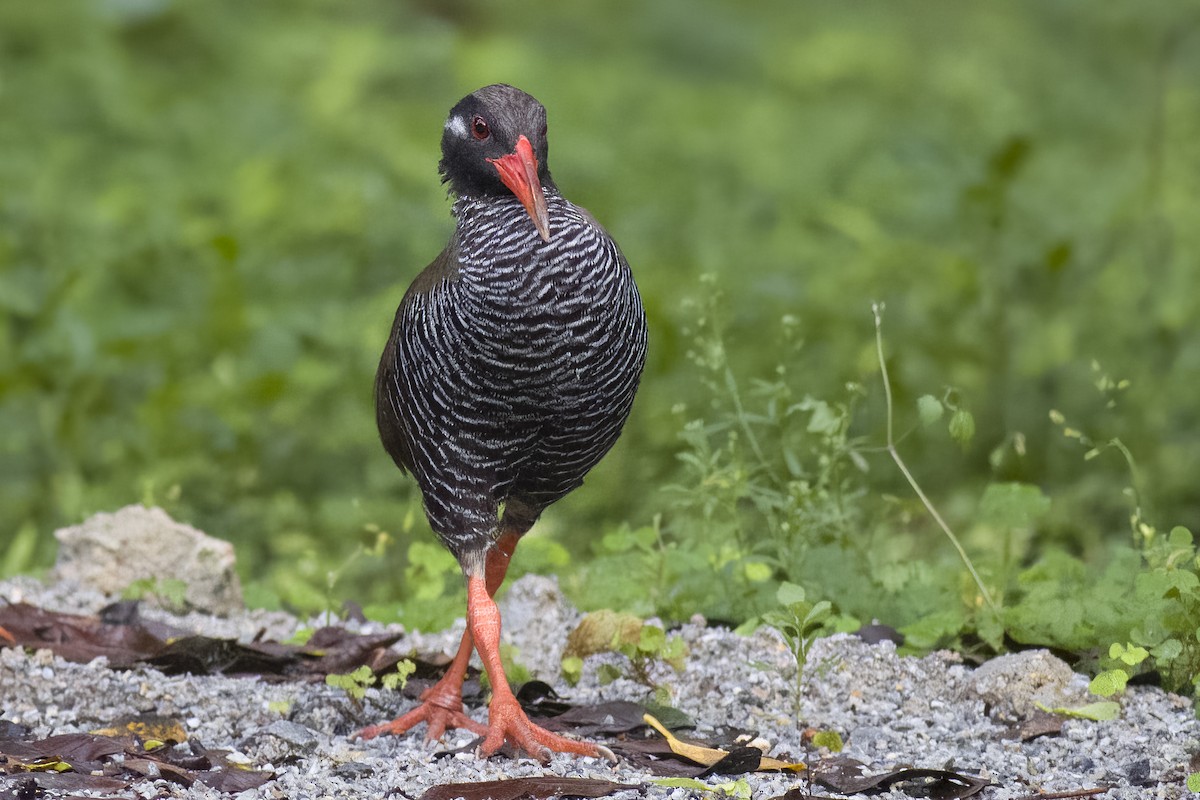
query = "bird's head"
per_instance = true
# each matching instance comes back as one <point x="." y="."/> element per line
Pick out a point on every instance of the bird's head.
<point x="494" y="144"/>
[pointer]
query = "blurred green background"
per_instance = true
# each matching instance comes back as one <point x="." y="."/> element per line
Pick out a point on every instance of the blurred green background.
<point x="209" y="211"/>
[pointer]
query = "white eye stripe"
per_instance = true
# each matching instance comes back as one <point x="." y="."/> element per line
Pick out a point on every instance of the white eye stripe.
<point x="457" y="126"/>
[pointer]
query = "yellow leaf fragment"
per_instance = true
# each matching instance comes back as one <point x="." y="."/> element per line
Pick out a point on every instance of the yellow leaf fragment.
<point x="708" y="756"/>
<point x="151" y="730"/>
<point x="693" y="752"/>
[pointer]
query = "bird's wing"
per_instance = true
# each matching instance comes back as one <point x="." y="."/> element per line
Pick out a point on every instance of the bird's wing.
<point x="388" y="416"/>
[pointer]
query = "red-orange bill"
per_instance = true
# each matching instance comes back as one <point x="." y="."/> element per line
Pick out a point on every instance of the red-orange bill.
<point x="519" y="172"/>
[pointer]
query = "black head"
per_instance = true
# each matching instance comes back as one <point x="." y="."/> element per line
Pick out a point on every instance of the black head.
<point x="485" y="126"/>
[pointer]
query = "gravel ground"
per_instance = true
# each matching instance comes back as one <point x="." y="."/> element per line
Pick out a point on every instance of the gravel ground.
<point x="892" y="711"/>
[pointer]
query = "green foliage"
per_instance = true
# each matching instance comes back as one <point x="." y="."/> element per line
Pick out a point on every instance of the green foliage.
<point x="642" y="643"/>
<point x="356" y="683"/>
<point x="736" y="790"/>
<point x="169" y="593"/>
<point x="397" y="680"/>
<point x="799" y="622"/>
<point x="830" y="740"/>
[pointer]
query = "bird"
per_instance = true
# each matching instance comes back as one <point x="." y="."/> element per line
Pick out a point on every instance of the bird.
<point x="511" y="368"/>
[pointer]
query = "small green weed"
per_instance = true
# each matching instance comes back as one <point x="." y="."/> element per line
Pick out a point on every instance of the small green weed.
<point x="830" y="740"/>
<point x="356" y="683"/>
<point x="799" y="622"/>
<point x="168" y="593"/>
<point x="643" y="644"/>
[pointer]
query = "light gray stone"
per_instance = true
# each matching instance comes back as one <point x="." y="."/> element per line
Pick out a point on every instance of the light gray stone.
<point x="1013" y="685"/>
<point x="110" y="551"/>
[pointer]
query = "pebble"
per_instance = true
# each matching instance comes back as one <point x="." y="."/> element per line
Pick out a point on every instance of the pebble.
<point x="890" y="710"/>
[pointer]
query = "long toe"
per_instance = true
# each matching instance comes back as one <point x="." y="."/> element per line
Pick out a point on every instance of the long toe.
<point x="439" y="718"/>
<point x="508" y="722"/>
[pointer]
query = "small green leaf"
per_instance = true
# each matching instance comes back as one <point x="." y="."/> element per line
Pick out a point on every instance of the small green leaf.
<point x="607" y="673"/>
<point x="930" y="409"/>
<point x="1193" y="782"/>
<point x="789" y="594"/>
<point x="738" y="790"/>
<point x="1108" y="683"/>
<point x="1169" y="650"/>
<point x="831" y="740"/>
<point x="281" y="707"/>
<point x="652" y="639"/>
<point x="1130" y="654"/>
<point x="824" y="419"/>
<point x="962" y="427"/>
<point x="572" y="669"/>
<point x="757" y="571"/>
<point x="399" y="679"/>
<point x="1099" y="712"/>
<point x="818" y="614"/>
<point x="1013" y="505"/>
<point x="1180" y="537"/>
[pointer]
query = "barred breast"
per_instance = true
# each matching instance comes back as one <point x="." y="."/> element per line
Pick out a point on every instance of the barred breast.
<point x="511" y="368"/>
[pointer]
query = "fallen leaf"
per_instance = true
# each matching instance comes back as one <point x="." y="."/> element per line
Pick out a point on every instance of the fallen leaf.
<point x="601" y="719"/>
<point x="1098" y="712"/>
<point x="203" y="655"/>
<point x="1040" y="723"/>
<point x="847" y="775"/>
<point x="737" y="761"/>
<point x="74" y="762"/>
<point x="145" y="728"/>
<point x="693" y="752"/>
<point x="122" y="636"/>
<point x="711" y="756"/>
<point x="539" y="699"/>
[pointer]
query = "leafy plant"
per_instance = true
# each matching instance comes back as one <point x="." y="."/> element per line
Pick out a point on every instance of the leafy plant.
<point x="642" y="643"/>
<point x="356" y="683"/>
<point x="799" y="622"/>
<point x="1113" y="681"/>
<point x="962" y="429"/>
<point x="169" y="593"/>
<point x="829" y="739"/>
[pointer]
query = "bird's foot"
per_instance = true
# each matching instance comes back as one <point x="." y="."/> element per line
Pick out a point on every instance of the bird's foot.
<point x="441" y="708"/>
<point x="507" y="721"/>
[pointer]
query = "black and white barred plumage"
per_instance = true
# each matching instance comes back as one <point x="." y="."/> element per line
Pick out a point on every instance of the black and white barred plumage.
<point x="513" y="361"/>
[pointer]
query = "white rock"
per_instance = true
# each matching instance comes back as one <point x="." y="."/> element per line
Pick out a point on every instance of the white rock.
<point x="108" y="552"/>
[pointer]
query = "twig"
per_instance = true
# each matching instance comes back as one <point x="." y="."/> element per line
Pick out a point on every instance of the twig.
<point x="1066" y="795"/>
<point x="877" y="309"/>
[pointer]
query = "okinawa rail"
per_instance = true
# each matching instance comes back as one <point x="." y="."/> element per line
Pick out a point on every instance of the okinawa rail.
<point x="511" y="368"/>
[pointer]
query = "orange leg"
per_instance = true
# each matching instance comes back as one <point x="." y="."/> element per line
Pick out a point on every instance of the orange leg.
<point x="441" y="704"/>
<point x="506" y="719"/>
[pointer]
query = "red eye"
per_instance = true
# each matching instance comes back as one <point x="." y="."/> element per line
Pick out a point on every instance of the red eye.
<point x="480" y="129"/>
